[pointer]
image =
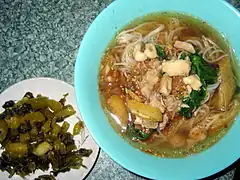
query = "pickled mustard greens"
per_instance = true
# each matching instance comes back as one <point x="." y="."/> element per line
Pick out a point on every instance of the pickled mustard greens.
<point x="32" y="139"/>
<point x="45" y="177"/>
<point x="78" y="127"/>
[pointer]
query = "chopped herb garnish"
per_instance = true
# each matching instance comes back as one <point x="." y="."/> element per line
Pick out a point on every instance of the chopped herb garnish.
<point x="160" y="52"/>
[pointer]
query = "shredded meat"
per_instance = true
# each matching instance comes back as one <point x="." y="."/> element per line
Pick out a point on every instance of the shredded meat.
<point x="171" y="103"/>
<point x="156" y="101"/>
<point x="148" y="82"/>
<point x="172" y="106"/>
<point x="150" y="78"/>
<point x="185" y="46"/>
<point x="163" y="124"/>
<point x="156" y="87"/>
<point x="165" y="85"/>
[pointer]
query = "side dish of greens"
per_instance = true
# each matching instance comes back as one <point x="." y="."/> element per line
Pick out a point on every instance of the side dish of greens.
<point x="32" y="138"/>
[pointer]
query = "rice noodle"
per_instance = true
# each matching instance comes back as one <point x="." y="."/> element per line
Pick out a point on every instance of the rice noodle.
<point x="131" y="39"/>
<point x="172" y="33"/>
<point x="207" y="40"/>
<point x="128" y="38"/>
<point x="218" y="59"/>
<point x="127" y="56"/>
<point x="200" y="114"/>
<point x="196" y="43"/>
<point x="206" y="51"/>
<point x="216" y="51"/>
<point x="129" y="35"/>
<point x="199" y="131"/>
<point x="131" y="30"/>
<point x="153" y="33"/>
<point x="220" y="119"/>
<point x="209" y="49"/>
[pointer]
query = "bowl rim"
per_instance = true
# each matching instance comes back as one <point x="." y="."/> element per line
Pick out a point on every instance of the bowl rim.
<point x="82" y="94"/>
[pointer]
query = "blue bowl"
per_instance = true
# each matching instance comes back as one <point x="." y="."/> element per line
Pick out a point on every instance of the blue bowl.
<point x="217" y="13"/>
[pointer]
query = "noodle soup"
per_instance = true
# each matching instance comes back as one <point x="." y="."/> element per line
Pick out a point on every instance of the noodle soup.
<point x="167" y="85"/>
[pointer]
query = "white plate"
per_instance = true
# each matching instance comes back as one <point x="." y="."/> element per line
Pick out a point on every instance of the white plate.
<point x="54" y="89"/>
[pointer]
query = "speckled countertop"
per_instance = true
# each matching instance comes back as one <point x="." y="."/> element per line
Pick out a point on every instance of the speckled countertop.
<point x="41" y="39"/>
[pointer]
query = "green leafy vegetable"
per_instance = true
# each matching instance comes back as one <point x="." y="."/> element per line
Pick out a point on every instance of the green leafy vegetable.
<point x="186" y="112"/>
<point x="65" y="112"/>
<point x="78" y="127"/>
<point x="84" y="152"/>
<point x="45" y="177"/>
<point x="198" y="96"/>
<point x="160" y="52"/>
<point x="207" y="73"/>
<point x="32" y="139"/>
<point x="183" y="56"/>
<point x="138" y="133"/>
<point x="193" y="102"/>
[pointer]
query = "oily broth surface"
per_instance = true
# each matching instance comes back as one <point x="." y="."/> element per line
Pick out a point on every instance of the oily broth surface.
<point x="196" y="28"/>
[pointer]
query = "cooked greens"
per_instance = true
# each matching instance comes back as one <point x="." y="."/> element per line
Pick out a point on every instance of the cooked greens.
<point x="193" y="102"/>
<point x="138" y="134"/>
<point x="208" y="75"/>
<point x="32" y="139"/>
<point x="183" y="56"/>
<point x="45" y="177"/>
<point x="78" y="127"/>
<point x="160" y="52"/>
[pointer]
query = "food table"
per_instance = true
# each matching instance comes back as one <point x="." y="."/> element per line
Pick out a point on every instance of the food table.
<point x="41" y="39"/>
